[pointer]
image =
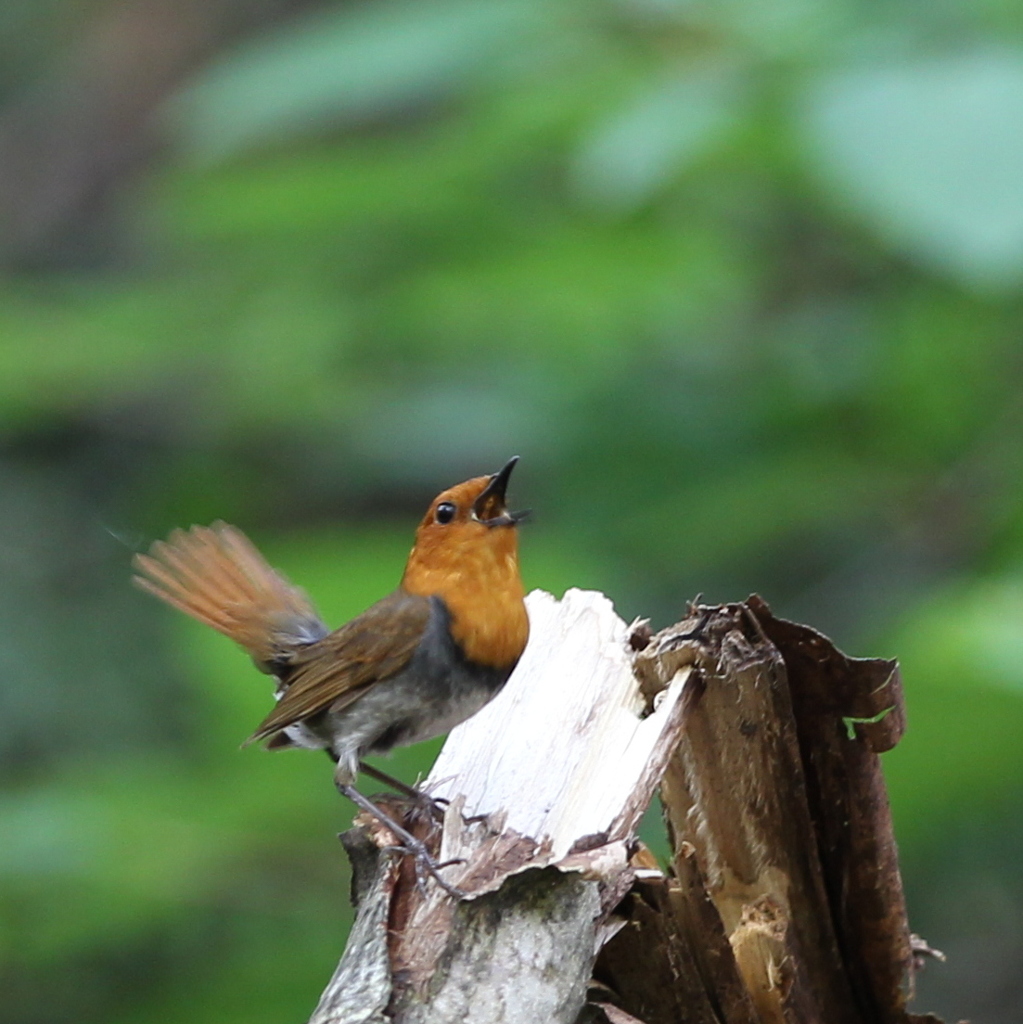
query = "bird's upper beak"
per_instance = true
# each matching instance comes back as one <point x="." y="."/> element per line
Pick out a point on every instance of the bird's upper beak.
<point x="489" y="507"/>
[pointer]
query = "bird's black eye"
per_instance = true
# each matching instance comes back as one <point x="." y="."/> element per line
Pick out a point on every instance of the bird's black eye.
<point x="445" y="512"/>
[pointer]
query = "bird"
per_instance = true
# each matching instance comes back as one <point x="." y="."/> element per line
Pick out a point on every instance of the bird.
<point x="412" y="666"/>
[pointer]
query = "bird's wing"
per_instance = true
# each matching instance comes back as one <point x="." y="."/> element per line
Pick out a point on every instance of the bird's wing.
<point x="216" y="575"/>
<point x="374" y="646"/>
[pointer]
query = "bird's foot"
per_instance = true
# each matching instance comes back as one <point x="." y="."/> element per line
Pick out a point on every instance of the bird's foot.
<point x="425" y="866"/>
<point x="409" y="844"/>
<point x="433" y="805"/>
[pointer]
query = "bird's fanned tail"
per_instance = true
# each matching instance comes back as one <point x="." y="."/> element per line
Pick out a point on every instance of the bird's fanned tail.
<point x="217" y="576"/>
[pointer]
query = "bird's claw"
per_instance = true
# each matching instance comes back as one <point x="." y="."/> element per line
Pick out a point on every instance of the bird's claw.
<point x="432" y="805"/>
<point x="450" y="863"/>
<point x="425" y="864"/>
<point x="408" y="843"/>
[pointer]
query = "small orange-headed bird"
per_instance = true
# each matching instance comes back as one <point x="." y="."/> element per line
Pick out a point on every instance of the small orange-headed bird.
<point x="409" y="668"/>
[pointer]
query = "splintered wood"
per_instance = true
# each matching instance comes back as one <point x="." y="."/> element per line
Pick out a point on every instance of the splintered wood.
<point x="570" y="729"/>
<point x="782" y="902"/>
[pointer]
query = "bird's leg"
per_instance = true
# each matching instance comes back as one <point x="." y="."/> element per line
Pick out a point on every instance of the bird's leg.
<point x="412" y="845"/>
<point x="432" y="803"/>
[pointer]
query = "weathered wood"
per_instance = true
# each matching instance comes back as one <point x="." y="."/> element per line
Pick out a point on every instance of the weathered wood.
<point x="847" y="711"/>
<point x="546" y="787"/>
<point x="777" y="785"/>
<point x="672" y="963"/>
<point x="567" y="750"/>
<point x="783" y="903"/>
<point x="360" y="989"/>
<point x="735" y="790"/>
<point x="512" y="954"/>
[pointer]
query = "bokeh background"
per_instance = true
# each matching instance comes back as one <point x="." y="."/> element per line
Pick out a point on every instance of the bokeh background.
<point x="741" y="282"/>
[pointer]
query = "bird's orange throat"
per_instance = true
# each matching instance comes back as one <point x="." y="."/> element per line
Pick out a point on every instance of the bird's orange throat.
<point x="474" y="569"/>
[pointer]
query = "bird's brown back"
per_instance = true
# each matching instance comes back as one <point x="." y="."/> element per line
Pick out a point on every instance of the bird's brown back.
<point x="374" y="646"/>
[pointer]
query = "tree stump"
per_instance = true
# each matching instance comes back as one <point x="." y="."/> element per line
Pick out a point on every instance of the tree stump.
<point x="782" y="901"/>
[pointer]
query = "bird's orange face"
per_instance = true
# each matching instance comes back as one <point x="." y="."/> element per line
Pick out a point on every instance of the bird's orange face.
<point x="466" y="552"/>
<point x="478" y="503"/>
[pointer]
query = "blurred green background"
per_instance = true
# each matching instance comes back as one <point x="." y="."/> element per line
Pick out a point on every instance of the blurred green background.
<point x="740" y="280"/>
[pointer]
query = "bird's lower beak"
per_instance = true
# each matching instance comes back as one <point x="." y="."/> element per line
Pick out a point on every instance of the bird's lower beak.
<point x="489" y="507"/>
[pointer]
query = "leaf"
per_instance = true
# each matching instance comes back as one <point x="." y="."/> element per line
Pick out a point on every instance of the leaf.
<point x="629" y="156"/>
<point x="931" y="155"/>
<point x="343" y="66"/>
<point x="850" y="723"/>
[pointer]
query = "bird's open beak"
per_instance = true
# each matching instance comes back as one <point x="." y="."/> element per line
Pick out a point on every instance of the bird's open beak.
<point x="489" y="507"/>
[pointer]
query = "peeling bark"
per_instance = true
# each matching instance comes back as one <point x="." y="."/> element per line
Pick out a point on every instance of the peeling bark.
<point x="783" y="903"/>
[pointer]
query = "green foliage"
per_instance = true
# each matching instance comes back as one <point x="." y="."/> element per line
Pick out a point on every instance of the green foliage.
<point x="927" y="150"/>
<point x="960" y="659"/>
<point x="348" y="64"/>
<point x="738" y="282"/>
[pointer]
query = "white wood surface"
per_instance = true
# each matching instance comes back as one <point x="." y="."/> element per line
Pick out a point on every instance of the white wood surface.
<point x="565" y="756"/>
<point x="564" y="751"/>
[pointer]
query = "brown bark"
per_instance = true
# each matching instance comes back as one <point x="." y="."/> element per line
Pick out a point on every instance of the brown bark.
<point x="783" y="903"/>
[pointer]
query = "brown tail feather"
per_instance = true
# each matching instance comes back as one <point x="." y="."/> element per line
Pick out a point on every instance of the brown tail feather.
<point x="216" y="575"/>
